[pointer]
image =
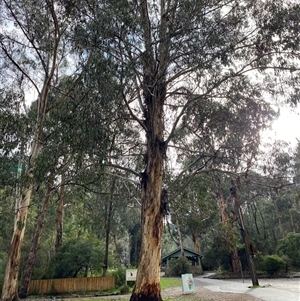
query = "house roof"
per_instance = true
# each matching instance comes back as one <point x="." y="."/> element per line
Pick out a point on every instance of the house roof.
<point x="177" y="253"/>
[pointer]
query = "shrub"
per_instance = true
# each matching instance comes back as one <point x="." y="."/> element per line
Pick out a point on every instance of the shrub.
<point x="289" y="246"/>
<point x="178" y="266"/>
<point x="214" y="259"/>
<point x="124" y="289"/>
<point x="273" y="264"/>
<point x="120" y="276"/>
<point x="76" y="258"/>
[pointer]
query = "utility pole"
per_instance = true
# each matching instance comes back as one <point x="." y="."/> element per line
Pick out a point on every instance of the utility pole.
<point x="244" y="233"/>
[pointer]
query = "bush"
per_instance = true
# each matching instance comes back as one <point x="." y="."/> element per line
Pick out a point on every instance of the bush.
<point x="214" y="259"/>
<point x="120" y="276"/>
<point x="273" y="264"/>
<point x="178" y="266"/>
<point x="124" y="289"/>
<point x="289" y="246"/>
<point x="76" y="258"/>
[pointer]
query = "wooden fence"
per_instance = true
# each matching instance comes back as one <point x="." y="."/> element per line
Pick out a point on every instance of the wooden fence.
<point x="71" y="285"/>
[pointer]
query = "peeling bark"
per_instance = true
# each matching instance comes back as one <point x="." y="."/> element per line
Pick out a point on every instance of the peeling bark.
<point x="147" y="286"/>
<point x="10" y="283"/>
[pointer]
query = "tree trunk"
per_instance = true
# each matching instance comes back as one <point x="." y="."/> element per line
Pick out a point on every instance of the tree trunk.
<point x="10" y="283"/>
<point x="196" y="240"/>
<point x="254" y="211"/>
<point x="179" y="237"/>
<point x="147" y="285"/>
<point x="59" y="215"/>
<point x="249" y="255"/>
<point x="292" y="221"/>
<point x="118" y="255"/>
<point x="108" y="218"/>
<point x="224" y="217"/>
<point x="128" y="259"/>
<point x="34" y="246"/>
<point x="278" y="214"/>
<point x="197" y="248"/>
<point x="235" y="261"/>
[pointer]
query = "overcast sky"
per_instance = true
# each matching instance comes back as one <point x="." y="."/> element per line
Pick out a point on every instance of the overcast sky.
<point x="287" y="127"/>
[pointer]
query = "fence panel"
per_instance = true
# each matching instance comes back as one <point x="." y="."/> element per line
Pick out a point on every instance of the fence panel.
<point x="71" y="285"/>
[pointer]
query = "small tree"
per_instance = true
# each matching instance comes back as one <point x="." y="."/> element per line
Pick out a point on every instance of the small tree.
<point x="77" y="257"/>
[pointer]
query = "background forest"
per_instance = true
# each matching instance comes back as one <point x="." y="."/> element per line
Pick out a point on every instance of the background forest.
<point x="94" y="102"/>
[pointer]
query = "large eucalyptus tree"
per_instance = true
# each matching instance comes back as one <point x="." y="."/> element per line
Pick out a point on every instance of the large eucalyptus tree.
<point x="79" y="133"/>
<point x="196" y="66"/>
<point x="185" y="62"/>
<point x="35" y="53"/>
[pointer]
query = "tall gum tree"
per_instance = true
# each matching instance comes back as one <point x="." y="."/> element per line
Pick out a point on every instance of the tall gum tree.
<point x="33" y="44"/>
<point x="170" y="56"/>
<point x="178" y="61"/>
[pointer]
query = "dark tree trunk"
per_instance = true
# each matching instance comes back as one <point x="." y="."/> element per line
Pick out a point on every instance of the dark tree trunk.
<point x="59" y="215"/>
<point x="118" y="255"/>
<point x="179" y="237"/>
<point x="244" y="234"/>
<point x="108" y="218"/>
<point x="292" y="222"/>
<point x="235" y="261"/>
<point x="26" y="277"/>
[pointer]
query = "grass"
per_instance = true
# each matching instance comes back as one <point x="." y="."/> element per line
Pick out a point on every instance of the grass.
<point x="169" y="282"/>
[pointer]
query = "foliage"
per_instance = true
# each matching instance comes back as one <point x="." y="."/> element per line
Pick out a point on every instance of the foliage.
<point x="195" y="206"/>
<point x="120" y="276"/>
<point x="272" y="264"/>
<point x="124" y="289"/>
<point x="2" y="266"/>
<point x="222" y="240"/>
<point x="290" y="247"/>
<point x="77" y="257"/>
<point x="178" y="266"/>
<point x="212" y="111"/>
<point x="215" y="259"/>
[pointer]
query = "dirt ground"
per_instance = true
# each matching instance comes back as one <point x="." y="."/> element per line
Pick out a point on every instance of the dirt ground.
<point x="202" y="293"/>
<point x="199" y="294"/>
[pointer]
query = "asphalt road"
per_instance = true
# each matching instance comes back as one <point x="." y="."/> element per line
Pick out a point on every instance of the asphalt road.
<point x="283" y="289"/>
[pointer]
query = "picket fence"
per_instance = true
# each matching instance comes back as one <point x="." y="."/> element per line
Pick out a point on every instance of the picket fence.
<point x="71" y="285"/>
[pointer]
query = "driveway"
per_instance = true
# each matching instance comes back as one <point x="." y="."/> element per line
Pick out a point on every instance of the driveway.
<point x="284" y="289"/>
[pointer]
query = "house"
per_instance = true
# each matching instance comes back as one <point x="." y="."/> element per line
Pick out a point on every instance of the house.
<point x="192" y="256"/>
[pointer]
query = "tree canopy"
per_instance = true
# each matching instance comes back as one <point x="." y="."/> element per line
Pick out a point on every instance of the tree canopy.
<point x="139" y="104"/>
